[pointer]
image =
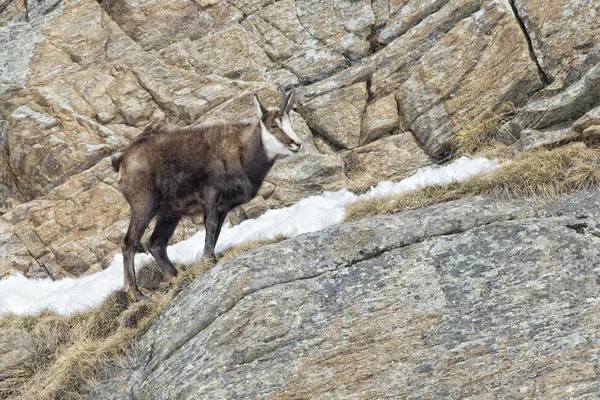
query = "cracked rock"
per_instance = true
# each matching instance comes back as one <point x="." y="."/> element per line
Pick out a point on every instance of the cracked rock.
<point x="405" y="298"/>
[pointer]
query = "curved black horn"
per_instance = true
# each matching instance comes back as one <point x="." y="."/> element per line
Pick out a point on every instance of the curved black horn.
<point x="291" y="99"/>
<point x="284" y="100"/>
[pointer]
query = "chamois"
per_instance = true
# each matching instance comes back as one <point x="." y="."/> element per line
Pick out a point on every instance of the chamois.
<point x="169" y="173"/>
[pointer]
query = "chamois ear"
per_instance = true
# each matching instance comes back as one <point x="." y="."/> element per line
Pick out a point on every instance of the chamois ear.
<point x="260" y="109"/>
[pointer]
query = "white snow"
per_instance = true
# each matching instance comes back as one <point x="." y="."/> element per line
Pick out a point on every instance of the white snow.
<point x="25" y="296"/>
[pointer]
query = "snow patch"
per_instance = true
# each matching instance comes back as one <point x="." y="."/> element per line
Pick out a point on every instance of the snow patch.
<point x="20" y="295"/>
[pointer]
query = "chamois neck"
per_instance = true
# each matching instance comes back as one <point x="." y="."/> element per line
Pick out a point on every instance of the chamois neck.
<point x="257" y="163"/>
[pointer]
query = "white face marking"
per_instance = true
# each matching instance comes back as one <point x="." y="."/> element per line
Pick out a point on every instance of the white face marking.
<point x="272" y="146"/>
<point x="286" y="126"/>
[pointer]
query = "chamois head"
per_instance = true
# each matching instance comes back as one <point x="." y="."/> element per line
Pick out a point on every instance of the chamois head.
<point x="277" y="134"/>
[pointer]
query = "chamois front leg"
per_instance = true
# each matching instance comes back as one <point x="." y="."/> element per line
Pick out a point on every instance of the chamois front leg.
<point x="211" y="223"/>
<point x="222" y="214"/>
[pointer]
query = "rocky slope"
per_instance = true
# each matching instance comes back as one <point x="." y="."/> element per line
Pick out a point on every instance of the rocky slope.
<point x="469" y="299"/>
<point x="384" y="88"/>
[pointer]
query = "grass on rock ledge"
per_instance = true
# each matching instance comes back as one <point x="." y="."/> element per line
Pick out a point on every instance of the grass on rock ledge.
<point x="68" y="354"/>
<point x="544" y="173"/>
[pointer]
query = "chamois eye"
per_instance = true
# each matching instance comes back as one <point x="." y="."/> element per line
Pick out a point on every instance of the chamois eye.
<point x="274" y="127"/>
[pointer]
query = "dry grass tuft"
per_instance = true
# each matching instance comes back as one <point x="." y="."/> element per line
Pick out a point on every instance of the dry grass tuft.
<point x="150" y="277"/>
<point x="69" y="354"/>
<point x="358" y="182"/>
<point x="486" y="137"/>
<point x="242" y="248"/>
<point x="539" y="174"/>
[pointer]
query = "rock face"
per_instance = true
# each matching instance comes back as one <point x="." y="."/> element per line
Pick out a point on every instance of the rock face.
<point x="80" y="78"/>
<point x="564" y="35"/>
<point x="476" y="298"/>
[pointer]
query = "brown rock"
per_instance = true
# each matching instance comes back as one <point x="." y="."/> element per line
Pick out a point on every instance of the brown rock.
<point x="272" y="41"/>
<point x="244" y="58"/>
<point x="391" y="158"/>
<point x="405" y="15"/>
<point x="44" y="149"/>
<point x="532" y="138"/>
<point x="592" y="134"/>
<point x="254" y="207"/>
<point x="81" y="72"/>
<point x="16" y="257"/>
<point x="324" y="146"/>
<point x="562" y="32"/>
<point x="67" y="230"/>
<point x="155" y="24"/>
<point x="315" y="64"/>
<point x="15" y="10"/>
<point x="591" y="118"/>
<point x="301" y="176"/>
<point x="313" y="60"/>
<point x="342" y="25"/>
<point x="381" y="117"/>
<point x="134" y="103"/>
<point x="337" y="115"/>
<point x="221" y="13"/>
<point x="482" y="61"/>
<point x="561" y="108"/>
<point x="9" y="194"/>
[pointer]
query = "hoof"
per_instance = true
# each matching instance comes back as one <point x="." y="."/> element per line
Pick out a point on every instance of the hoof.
<point x="171" y="278"/>
<point x="135" y="295"/>
<point x="209" y="261"/>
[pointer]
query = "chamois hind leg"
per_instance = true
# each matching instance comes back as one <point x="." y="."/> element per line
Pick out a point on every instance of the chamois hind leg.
<point x="143" y="209"/>
<point x="166" y="222"/>
<point x="211" y="197"/>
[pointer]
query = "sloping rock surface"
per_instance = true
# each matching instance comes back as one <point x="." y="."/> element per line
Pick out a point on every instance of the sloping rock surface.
<point x="476" y="298"/>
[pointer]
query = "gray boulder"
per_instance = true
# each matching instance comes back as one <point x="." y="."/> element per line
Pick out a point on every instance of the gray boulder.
<point x="467" y="299"/>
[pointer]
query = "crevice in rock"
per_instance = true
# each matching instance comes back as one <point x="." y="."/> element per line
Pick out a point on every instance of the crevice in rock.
<point x="429" y="10"/>
<point x="159" y="104"/>
<point x="17" y="185"/>
<point x="370" y="95"/>
<point x="366" y="67"/>
<point x="45" y="269"/>
<point x="316" y="38"/>
<point x="328" y="142"/>
<point x="578" y="227"/>
<point x="376" y="28"/>
<point x="542" y="74"/>
<point x="374" y="45"/>
<point x="51" y="8"/>
<point x="43" y="266"/>
<point x="5" y="4"/>
<point x="277" y="63"/>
